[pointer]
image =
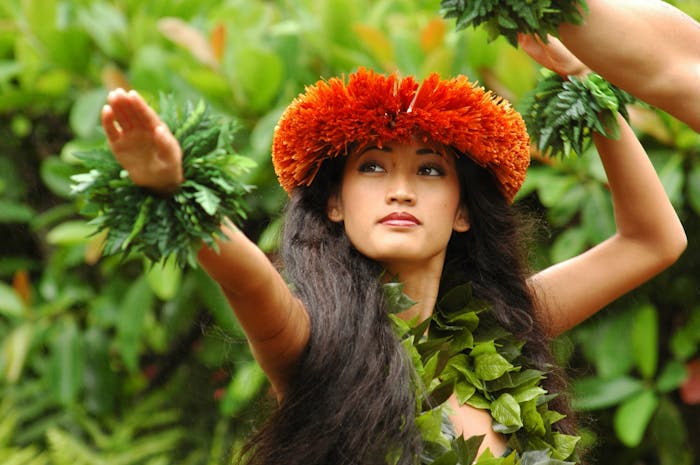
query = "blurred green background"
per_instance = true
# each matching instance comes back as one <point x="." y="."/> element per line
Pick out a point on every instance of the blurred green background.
<point x="105" y="361"/>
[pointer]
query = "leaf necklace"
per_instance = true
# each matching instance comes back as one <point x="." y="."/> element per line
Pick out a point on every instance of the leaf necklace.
<point x="466" y="352"/>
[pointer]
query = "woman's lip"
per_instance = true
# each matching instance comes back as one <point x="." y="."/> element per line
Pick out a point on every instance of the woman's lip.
<point x="400" y="219"/>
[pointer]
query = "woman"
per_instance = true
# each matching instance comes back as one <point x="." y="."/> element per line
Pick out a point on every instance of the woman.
<point x="390" y="179"/>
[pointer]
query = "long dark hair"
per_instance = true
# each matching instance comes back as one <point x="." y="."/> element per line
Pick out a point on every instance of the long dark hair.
<point x="352" y="400"/>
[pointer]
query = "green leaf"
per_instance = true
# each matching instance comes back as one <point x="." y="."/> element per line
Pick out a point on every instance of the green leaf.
<point x="56" y="174"/>
<point x="644" y="337"/>
<point x="596" y="393"/>
<point x="568" y="244"/>
<point x="137" y="303"/>
<point x="506" y="411"/>
<point x="245" y="385"/>
<point x="15" y="349"/>
<point x="164" y="278"/>
<point x="672" y="376"/>
<point x="694" y="187"/>
<point x="11" y="303"/>
<point x="67" y="364"/>
<point x="467" y="450"/>
<point x="85" y="114"/>
<point x="565" y="445"/>
<point x="633" y="415"/>
<point x="259" y="73"/>
<point x="597" y="215"/>
<point x="490" y="366"/>
<point x="70" y="232"/>
<point x="532" y="419"/>
<point x="15" y="212"/>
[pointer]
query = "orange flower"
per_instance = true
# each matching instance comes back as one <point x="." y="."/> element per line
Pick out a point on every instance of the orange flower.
<point x="374" y="108"/>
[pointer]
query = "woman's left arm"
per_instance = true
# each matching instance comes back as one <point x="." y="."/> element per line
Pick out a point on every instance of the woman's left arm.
<point x="649" y="238"/>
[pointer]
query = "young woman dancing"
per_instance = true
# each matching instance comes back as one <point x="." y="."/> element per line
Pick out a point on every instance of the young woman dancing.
<point x="392" y="179"/>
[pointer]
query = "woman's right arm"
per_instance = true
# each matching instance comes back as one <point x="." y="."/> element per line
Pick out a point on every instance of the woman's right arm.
<point x="274" y="320"/>
<point x="647" y="47"/>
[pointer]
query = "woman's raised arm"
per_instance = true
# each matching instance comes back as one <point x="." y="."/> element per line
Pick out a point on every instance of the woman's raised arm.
<point x="647" y="47"/>
<point x="276" y="323"/>
<point x="649" y="235"/>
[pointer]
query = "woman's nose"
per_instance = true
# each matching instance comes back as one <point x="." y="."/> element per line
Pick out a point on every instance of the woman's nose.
<point x="401" y="192"/>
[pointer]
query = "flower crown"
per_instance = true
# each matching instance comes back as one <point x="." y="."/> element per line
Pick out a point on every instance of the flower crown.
<point x="373" y="108"/>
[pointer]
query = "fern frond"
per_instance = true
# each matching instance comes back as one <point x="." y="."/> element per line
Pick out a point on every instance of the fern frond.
<point x="67" y="450"/>
<point x="561" y="114"/>
<point x="509" y="17"/>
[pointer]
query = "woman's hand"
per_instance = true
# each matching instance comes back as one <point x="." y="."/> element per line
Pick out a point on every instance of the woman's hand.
<point x="553" y="55"/>
<point x="141" y="142"/>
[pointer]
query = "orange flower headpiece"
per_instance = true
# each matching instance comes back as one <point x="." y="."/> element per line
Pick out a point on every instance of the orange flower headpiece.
<point x="372" y="108"/>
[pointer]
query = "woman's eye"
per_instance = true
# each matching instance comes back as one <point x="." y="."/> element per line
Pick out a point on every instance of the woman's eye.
<point x="371" y="167"/>
<point x="430" y="170"/>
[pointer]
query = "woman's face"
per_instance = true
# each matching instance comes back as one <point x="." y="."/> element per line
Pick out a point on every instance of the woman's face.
<point x="400" y="203"/>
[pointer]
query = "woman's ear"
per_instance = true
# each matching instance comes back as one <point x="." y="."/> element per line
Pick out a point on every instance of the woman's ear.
<point x="461" y="223"/>
<point x="334" y="209"/>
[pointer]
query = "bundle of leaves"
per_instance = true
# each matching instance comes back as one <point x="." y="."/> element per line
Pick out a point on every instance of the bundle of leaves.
<point x="561" y="113"/>
<point x="160" y="226"/>
<point x="469" y="354"/>
<point x="509" y="17"/>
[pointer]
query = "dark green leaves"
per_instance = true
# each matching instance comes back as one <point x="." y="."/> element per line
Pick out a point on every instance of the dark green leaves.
<point x="158" y="227"/>
<point x="561" y="114"/>
<point x="509" y="17"/>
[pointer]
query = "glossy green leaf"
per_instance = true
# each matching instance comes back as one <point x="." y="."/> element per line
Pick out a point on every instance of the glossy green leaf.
<point x="137" y="303"/>
<point x="568" y="244"/>
<point x="56" y="174"/>
<point x="644" y="337"/>
<point x="633" y="416"/>
<point x="672" y="376"/>
<point x="164" y="278"/>
<point x="85" y="113"/>
<point x="594" y="393"/>
<point x="245" y="385"/>
<point x="15" y="212"/>
<point x="693" y="184"/>
<point x="67" y="362"/>
<point x="70" y="232"/>
<point x="597" y="215"/>
<point x="259" y="73"/>
<point x="15" y="349"/>
<point x="506" y="411"/>
<point x="11" y="304"/>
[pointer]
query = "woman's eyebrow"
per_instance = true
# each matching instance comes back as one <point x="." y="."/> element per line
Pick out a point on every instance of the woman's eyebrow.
<point x="384" y="148"/>
<point x="428" y="151"/>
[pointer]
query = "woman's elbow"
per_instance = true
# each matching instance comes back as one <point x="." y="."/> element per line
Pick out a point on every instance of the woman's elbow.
<point x="673" y="247"/>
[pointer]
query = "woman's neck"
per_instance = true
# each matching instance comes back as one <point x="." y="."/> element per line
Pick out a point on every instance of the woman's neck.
<point x="421" y="282"/>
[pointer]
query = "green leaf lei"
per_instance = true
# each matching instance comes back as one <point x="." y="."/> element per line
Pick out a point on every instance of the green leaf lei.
<point x="509" y="17"/>
<point x="560" y="114"/>
<point x="466" y="352"/>
<point x="139" y="220"/>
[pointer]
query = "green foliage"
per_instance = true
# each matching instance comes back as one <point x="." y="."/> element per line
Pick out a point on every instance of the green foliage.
<point x="509" y="17"/>
<point x="139" y="221"/>
<point x="561" y="114"/>
<point x="136" y="330"/>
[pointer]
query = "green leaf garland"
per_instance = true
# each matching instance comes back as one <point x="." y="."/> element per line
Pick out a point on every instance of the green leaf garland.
<point x="138" y="220"/>
<point x="468" y="353"/>
<point x="561" y="114"/>
<point x="509" y="17"/>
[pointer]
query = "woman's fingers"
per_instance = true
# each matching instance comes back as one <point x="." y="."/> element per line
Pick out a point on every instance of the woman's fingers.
<point x="553" y="55"/>
<point x="109" y="123"/>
